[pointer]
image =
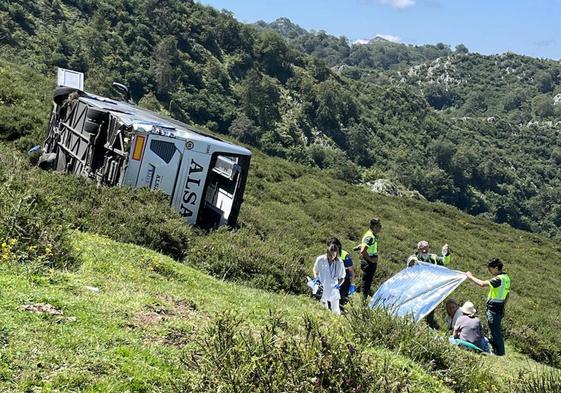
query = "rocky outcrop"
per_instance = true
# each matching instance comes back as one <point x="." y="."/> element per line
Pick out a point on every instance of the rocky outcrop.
<point x="387" y="187"/>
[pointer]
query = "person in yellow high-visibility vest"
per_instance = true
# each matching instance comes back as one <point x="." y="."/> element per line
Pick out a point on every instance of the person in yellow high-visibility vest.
<point x="499" y="288"/>
<point x="423" y="255"/>
<point x="369" y="255"/>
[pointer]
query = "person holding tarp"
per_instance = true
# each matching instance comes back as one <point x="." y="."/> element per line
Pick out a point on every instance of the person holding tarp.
<point x="499" y="288"/>
<point x="330" y="272"/>
<point x="423" y="255"/>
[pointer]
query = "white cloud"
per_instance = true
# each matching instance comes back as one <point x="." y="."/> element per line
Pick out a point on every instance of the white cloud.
<point x="360" y="42"/>
<point x="389" y="37"/>
<point x="398" y="3"/>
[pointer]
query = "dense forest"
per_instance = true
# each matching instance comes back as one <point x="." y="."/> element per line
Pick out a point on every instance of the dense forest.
<point x="478" y="132"/>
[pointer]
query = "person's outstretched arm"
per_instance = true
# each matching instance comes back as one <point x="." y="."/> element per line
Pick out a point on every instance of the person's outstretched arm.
<point x="477" y="281"/>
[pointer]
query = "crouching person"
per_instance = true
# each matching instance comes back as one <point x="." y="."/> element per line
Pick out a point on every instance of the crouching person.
<point x="330" y="271"/>
<point x="468" y="332"/>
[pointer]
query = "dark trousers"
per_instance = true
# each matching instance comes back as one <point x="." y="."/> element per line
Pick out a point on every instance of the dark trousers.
<point x="369" y="270"/>
<point x="344" y="290"/>
<point x="497" y="341"/>
<point x="431" y="321"/>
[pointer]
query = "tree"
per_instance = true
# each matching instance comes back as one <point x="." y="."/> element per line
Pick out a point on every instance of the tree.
<point x="439" y="96"/>
<point x="544" y="81"/>
<point x="462" y="49"/>
<point x="167" y="61"/>
<point x="244" y="129"/>
<point x="542" y="106"/>
<point x="274" y="55"/>
<point x="260" y="98"/>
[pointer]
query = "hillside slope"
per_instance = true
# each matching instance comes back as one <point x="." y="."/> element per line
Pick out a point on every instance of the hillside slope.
<point x="129" y="319"/>
<point x="145" y="315"/>
<point x="289" y="210"/>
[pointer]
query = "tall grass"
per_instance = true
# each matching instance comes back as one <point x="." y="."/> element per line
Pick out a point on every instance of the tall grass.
<point x="537" y="382"/>
<point x="229" y="358"/>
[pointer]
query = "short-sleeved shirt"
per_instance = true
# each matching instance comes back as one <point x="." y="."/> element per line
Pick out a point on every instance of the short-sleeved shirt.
<point x="470" y="329"/>
<point x="348" y="262"/>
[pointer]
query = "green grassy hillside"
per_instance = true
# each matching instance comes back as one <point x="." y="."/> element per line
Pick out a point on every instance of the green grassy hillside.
<point x="289" y="210"/>
<point x="149" y="314"/>
<point x="160" y="325"/>
<point x="134" y="320"/>
<point x="204" y="67"/>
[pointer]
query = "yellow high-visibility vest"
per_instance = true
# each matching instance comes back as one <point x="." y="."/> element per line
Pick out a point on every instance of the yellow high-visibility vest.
<point x="371" y="249"/>
<point x="499" y="294"/>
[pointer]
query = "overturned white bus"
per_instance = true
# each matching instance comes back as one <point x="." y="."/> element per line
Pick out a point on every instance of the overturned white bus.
<point x="118" y="143"/>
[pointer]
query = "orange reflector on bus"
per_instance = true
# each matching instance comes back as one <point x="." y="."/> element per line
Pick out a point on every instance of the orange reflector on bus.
<point x="138" y="148"/>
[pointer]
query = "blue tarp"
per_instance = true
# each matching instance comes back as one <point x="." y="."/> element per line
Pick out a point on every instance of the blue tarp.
<point x="416" y="291"/>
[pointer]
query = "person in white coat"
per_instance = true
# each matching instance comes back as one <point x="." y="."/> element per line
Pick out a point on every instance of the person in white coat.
<point x="330" y="271"/>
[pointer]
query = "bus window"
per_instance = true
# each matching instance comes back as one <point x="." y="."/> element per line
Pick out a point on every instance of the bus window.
<point x="223" y="190"/>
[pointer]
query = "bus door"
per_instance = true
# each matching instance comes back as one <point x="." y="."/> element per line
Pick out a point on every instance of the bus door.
<point x="160" y="163"/>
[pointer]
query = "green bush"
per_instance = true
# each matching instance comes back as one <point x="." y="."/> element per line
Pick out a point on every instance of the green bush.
<point x="37" y="198"/>
<point x="30" y="234"/>
<point x="243" y="256"/>
<point x="137" y="216"/>
<point x="537" y="382"/>
<point x="229" y="358"/>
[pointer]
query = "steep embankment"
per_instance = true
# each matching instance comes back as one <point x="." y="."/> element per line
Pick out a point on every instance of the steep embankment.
<point x="154" y="321"/>
<point x="133" y="320"/>
<point x="366" y="122"/>
<point x="129" y="319"/>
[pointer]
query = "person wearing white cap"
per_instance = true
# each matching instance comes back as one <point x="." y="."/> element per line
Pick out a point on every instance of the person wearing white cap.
<point x="468" y="326"/>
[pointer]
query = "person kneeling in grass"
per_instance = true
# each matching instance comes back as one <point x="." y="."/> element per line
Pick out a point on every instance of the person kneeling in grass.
<point x="330" y="271"/>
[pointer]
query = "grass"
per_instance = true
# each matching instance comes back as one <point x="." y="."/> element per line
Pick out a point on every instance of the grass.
<point x="151" y="312"/>
<point x="118" y="340"/>
<point x="290" y="210"/>
<point x="130" y="335"/>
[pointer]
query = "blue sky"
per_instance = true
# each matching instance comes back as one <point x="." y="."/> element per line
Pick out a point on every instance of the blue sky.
<point x="530" y="27"/>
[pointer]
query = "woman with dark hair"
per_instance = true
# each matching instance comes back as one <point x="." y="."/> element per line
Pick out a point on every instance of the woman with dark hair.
<point x="330" y="272"/>
<point x="499" y="288"/>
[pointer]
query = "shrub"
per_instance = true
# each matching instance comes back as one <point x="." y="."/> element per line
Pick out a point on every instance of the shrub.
<point x="243" y="256"/>
<point x="229" y="358"/>
<point x="138" y="216"/>
<point x="33" y="199"/>
<point x="29" y="233"/>
<point x="537" y="382"/>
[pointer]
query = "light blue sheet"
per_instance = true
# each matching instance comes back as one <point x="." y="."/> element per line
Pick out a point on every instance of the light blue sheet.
<point x="415" y="291"/>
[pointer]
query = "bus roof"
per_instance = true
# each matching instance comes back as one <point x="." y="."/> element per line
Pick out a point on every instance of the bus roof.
<point x="132" y="114"/>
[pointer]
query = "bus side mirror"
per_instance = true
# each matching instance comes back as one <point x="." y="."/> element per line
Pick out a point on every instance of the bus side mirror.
<point x="123" y="90"/>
